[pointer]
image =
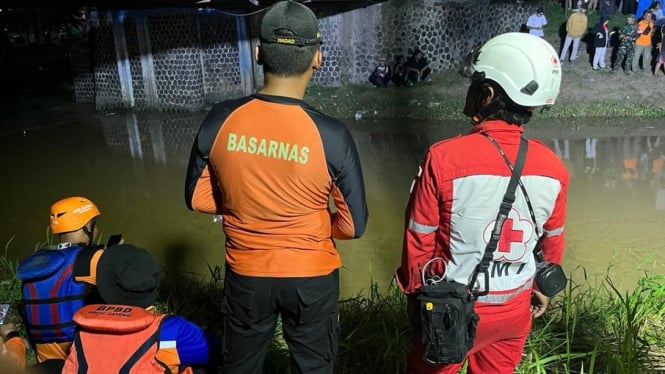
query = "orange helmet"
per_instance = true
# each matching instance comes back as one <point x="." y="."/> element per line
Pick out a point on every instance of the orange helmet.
<point x="71" y="214"/>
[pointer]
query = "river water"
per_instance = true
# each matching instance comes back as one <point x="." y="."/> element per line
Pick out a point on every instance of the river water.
<point x="133" y="165"/>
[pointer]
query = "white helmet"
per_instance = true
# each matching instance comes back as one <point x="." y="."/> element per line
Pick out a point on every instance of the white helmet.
<point x="524" y="65"/>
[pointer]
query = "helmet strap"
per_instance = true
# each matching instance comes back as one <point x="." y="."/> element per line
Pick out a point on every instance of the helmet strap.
<point x="91" y="232"/>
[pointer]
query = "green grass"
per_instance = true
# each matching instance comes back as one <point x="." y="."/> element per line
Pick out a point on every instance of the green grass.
<point x="434" y="104"/>
<point x="592" y="327"/>
<point x="10" y="286"/>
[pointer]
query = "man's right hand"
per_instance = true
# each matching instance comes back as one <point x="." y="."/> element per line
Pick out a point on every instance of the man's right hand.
<point x="539" y="303"/>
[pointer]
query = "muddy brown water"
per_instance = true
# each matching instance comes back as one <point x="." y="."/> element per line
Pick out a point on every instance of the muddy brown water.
<point x="133" y="167"/>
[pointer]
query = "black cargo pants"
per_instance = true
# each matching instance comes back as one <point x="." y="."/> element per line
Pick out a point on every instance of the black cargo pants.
<point x="309" y="310"/>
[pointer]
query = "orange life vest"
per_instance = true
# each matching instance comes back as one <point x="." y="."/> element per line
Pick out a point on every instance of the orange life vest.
<point x="115" y="339"/>
<point x="657" y="167"/>
<point x="630" y="168"/>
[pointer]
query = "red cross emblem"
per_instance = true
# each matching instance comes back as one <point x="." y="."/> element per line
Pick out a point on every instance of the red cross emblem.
<point x="515" y="234"/>
<point x="509" y="235"/>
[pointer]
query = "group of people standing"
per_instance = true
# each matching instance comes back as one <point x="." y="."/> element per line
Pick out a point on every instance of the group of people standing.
<point x="287" y="182"/>
<point x="403" y="72"/>
<point x="637" y="41"/>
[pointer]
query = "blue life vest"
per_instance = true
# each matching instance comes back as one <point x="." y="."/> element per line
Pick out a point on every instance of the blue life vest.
<point x="50" y="294"/>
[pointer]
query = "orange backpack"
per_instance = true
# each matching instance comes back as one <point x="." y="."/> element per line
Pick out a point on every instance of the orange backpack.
<point x="115" y="339"/>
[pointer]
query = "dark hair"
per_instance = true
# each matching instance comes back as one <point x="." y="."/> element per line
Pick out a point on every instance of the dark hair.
<point x="501" y="107"/>
<point x="286" y="60"/>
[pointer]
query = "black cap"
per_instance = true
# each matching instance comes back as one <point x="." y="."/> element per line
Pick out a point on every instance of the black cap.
<point x="540" y="9"/>
<point x="290" y="23"/>
<point x="128" y="275"/>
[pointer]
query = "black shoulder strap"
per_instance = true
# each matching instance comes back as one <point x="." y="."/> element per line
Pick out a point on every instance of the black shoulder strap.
<point x="504" y="210"/>
<point x="537" y="251"/>
<point x="140" y="352"/>
<point x="154" y="339"/>
<point x="80" y="355"/>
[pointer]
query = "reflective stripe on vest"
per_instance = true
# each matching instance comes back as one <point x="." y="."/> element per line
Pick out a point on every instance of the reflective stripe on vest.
<point x="501" y="298"/>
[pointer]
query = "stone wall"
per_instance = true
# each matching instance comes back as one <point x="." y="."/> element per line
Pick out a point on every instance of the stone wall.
<point x="196" y="55"/>
<point x="444" y="31"/>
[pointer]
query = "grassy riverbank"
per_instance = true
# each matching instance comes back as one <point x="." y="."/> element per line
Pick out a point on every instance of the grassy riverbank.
<point x="443" y="99"/>
<point x="592" y="328"/>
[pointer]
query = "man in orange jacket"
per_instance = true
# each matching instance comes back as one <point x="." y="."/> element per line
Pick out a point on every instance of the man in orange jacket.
<point x="270" y="164"/>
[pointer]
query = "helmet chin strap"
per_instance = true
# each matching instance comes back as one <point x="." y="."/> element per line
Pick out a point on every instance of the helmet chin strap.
<point x="90" y="233"/>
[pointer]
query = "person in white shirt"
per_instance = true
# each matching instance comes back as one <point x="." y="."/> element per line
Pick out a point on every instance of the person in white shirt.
<point x="537" y="22"/>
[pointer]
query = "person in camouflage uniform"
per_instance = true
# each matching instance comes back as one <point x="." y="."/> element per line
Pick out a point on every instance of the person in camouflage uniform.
<point x="627" y="36"/>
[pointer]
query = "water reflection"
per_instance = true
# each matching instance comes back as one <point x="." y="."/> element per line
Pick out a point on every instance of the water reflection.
<point x="133" y="164"/>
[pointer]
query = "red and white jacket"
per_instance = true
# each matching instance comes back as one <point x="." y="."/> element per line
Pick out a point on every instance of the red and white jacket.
<point x="455" y="201"/>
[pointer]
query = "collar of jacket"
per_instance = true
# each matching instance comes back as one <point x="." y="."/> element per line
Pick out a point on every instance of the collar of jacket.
<point x="496" y="125"/>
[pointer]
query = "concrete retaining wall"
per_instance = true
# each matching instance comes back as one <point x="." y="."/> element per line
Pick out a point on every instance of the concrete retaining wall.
<point x="185" y="60"/>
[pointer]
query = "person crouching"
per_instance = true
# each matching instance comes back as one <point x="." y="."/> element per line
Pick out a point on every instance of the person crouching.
<point x="126" y="334"/>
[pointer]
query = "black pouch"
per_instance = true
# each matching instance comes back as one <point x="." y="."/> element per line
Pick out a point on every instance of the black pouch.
<point x="551" y="279"/>
<point x="448" y="322"/>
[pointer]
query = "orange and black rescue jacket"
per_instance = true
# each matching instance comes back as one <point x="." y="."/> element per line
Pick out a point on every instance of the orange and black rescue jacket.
<point x="269" y="165"/>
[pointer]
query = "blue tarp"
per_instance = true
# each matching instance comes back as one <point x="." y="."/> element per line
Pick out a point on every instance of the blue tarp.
<point x="642" y="5"/>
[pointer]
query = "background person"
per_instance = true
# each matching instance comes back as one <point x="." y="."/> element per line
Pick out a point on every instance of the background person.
<point x="269" y="164"/>
<point x="590" y="5"/>
<point x="629" y="7"/>
<point x="399" y="71"/>
<point x="575" y="29"/>
<point x="660" y="62"/>
<point x="417" y="67"/>
<point x="643" y="44"/>
<point x="626" y="47"/>
<point x="656" y="11"/>
<point x="606" y="9"/>
<point x="381" y="74"/>
<point x="537" y="22"/>
<point x="601" y="39"/>
<point x="456" y="196"/>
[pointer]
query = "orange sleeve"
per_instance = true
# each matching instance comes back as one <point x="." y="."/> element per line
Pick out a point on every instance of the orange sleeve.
<point x="342" y="223"/>
<point x="204" y="198"/>
<point x="13" y="359"/>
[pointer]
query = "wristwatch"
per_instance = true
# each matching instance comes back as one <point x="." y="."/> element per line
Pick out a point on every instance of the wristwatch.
<point x="12" y="334"/>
